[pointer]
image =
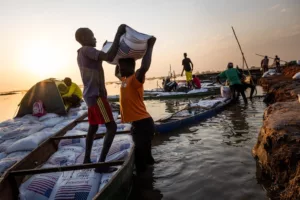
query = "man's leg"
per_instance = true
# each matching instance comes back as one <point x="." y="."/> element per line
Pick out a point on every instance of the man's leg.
<point x="142" y="134"/>
<point x="233" y="90"/>
<point x="240" y="89"/>
<point x="150" y="134"/>
<point x="111" y="128"/>
<point x="106" y="117"/>
<point x="89" y="142"/>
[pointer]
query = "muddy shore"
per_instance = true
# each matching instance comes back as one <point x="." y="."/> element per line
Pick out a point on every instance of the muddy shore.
<point x="278" y="146"/>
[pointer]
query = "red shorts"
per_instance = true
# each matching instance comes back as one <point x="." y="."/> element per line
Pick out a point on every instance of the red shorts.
<point x="100" y="113"/>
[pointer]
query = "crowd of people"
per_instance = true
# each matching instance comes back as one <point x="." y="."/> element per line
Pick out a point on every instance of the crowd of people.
<point x="132" y="107"/>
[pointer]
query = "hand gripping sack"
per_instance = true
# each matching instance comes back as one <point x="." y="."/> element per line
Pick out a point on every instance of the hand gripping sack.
<point x="132" y="45"/>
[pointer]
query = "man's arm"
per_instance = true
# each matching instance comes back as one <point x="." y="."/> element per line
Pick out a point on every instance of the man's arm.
<point x="221" y="75"/>
<point x="218" y="80"/>
<point x="146" y="62"/>
<point x="111" y="54"/>
<point x="192" y="65"/>
<point x="182" y="71"/>
<point x="70" y="92"/>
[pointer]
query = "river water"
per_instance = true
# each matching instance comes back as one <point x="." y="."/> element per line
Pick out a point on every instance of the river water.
<point x="210" y="160"/>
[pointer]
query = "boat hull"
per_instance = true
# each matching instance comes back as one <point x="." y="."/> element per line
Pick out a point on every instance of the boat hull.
<point x="119" y="187"/>
<point x="150" y="97"/>
<point x="173" y="125"/>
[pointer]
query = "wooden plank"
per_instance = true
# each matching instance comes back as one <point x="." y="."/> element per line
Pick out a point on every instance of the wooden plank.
<point x="97" y="136"/>
<point x="65" y="168"/>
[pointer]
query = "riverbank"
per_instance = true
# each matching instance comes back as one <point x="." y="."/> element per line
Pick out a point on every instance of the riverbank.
<point x="278" y="146"/>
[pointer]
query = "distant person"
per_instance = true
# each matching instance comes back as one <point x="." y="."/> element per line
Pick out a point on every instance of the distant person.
<point x="133" y="108"/>
<point x="90" y="61"/>
<point x="277" y="64"/>
<point x="265" y="64"/>
<point x="188" y="68"/>
<point x="169" y="85"/>
<point x="196" y="82"/>
<point x="233" y="76"/>
<point x="74" y="94"/>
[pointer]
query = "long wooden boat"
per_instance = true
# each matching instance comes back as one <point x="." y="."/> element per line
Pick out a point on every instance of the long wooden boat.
<point x="173" y="122"/>
<point x="172" y="95"/>
<point x="116" y="188"/>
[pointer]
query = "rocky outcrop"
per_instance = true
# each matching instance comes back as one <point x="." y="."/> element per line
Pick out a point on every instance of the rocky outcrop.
<point x="281" y="88"/>
<point x="278" y="148"/>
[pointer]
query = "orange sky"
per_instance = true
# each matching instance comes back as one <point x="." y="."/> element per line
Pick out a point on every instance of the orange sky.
<point x="37" y="37"/>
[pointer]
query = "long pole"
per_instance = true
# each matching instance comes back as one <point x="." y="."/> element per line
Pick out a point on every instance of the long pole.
<point x="270" y="57"/>
<point x="243" y="55"/>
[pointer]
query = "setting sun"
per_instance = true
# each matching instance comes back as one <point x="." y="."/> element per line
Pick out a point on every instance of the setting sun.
<point x="42" y="59"/>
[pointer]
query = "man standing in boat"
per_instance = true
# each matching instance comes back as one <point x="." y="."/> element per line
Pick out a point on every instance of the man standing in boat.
<point x="90" y="61"/>
<point x="188" y="67"/>
<point x="133" y="108"/>
<point x="265" y="64"/>
<point x="233" y="76"/>
<point x="277" y="64"/>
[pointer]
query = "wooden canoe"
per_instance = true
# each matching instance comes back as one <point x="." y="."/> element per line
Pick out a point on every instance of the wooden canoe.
<point x="116" y="188"/>
<point x="172" y="123"/>
<point x="115" y="98"/>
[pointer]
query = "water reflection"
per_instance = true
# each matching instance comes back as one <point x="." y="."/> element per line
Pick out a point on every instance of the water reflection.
<point x="209" y="160"/>
<point x="144" y="187"/>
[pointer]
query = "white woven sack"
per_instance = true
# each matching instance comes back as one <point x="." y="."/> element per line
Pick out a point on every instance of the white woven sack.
<point x="132" y="45"/>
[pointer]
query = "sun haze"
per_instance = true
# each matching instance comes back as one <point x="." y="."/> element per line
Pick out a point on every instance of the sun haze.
<point x="37" y="36"/>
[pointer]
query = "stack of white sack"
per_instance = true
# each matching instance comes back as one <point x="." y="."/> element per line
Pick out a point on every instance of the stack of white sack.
<point x="297" y="76"/>
<point x="39" y="187"/>
<point x="197" y="90"/>
<point x="28" y="132"/>
<point x="183" y="113"/>
<point x="270" y="72"/>
<point x="65" y="156"/>
<point x="80" y="184"/>
<point x="225" y="92"/>
<point x="105" y="178"/>
<point x="22" y="131"/>
<point x="31" y="142"/>
<point x="74" y="142"/>
<point x="208" y="103"/>
<point x="132" y="45"/>
<point x="73" y="183"/>
<point x="84" y="126"/>
<point x="11" y="159"/>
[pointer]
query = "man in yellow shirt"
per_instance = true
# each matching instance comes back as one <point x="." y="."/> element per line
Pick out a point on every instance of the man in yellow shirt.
<point x="74" y="94"/>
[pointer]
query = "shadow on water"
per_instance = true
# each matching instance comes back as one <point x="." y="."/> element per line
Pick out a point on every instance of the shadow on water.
<point x="208" y="160"/>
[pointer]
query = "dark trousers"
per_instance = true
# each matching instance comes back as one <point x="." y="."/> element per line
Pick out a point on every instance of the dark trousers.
<point x="278" y="69"/>
<point x="265" y="68"/>
<point x="239" y="88"/>
<point x="142" y="133"/>
<point x="72" y="100"/>
<point x="247" y="85"/>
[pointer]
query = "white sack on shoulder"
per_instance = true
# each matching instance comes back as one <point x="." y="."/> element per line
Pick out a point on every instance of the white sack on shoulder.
<point x="132" y="45"/>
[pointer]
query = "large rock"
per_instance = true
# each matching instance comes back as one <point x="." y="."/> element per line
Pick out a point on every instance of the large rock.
<point x="283" y="91"/>
<point x="278" y="148"/>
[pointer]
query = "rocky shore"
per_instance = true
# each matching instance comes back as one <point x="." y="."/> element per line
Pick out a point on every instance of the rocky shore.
<point x="278" y="146"/>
